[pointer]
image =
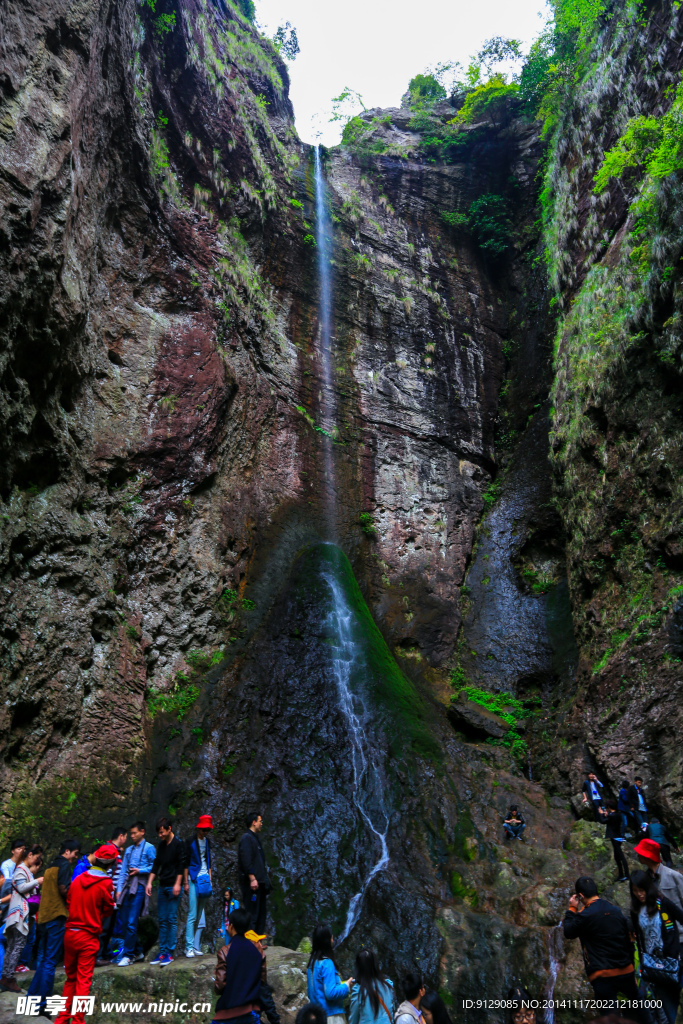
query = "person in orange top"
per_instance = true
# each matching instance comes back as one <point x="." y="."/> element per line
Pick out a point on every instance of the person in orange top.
<point x="90" y="900"/>
<point x="606" y="944"/>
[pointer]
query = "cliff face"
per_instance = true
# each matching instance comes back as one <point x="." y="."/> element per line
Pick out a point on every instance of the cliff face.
<point x="616" y="418"/>
<point x="172" y="578"/>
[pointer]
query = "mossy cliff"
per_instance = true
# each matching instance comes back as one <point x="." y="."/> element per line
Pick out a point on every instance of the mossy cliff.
<point x="166" y="474"/>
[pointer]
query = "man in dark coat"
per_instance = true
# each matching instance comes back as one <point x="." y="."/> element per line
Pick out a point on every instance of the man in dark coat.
<point x="251" y="863"/>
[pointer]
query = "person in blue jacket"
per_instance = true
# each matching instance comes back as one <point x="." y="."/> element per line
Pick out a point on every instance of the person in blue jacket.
<point x="372" y="999"/>
<point x="325" y="987"/>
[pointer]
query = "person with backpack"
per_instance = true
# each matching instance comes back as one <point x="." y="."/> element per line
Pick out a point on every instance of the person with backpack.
<point x="654" y="919"/>
<point x="198" y="884"/>
<point x="514" y="824"/>
<point x="325" y="987"/>
<point x="606" y="944"/>
<point x="17" y="921"/>
<point x="90" y="901"/>
<point x="238" y="974"/>
<point x="660" y="834"/>
<point x="414" y="991"/>
<point x="372" y="996"/>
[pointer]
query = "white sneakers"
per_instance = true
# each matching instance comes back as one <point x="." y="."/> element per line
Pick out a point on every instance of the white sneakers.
<point x="190" y="952"/>
<point x="124" y="962"/>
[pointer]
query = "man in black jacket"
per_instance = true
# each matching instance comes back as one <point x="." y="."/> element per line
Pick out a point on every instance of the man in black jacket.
<point x="605" y="942"/>
<point x="636" y="803"/>
<point x="251" y="862"/>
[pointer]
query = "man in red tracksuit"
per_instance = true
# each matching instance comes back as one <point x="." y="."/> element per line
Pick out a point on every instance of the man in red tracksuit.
<point x="90" y="900"/>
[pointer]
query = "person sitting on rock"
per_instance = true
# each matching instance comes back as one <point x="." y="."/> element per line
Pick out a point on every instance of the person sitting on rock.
<point x="612" y="820"/>
<point x="606" y="944"/>
<point x="592" y="794"/>
<point x="514" y="824"/>
<point x="660" y="834"/>
<point x="238" y="975"/>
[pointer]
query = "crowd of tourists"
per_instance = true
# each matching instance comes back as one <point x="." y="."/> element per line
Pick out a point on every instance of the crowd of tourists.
<point x="85" y="909"/>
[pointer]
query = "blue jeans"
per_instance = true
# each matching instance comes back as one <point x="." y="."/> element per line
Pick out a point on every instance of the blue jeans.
<point x="514" y="830"/>
<point x="193" y="934"/>
<point x="2" y="947"/>
<point x="50" y="945"/>
<point x="129" y="915"/>
<point x="167" y="912"/>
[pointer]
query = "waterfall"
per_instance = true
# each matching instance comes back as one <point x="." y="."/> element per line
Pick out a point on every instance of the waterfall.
<point x="555" y="953"/>
<point x="367" y="775"/>
<point x="368" y="779"/>
<point x="327" y="404"/>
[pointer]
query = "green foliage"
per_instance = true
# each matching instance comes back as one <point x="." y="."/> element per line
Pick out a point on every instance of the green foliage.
<point x="652" y="144"/>
<point x="296" y="204"/>
<point x="507" y="707"/>
<point x="132" y="633"/>
<point x="177" y="701"/>
<point x="491" y="494"/>
<point x="362" y="134"/>
<point x="367" y="524"/>
<point x="286" y="41"/>
<point x="425" y="90"/>
<point x="163" y="23"/>
<point x="493" y="101"/>
<point x="230" y="601"/>
<point x="310" y="240"/>
<point x="489" y="221"/>
<point x="461" y="891"/>
<point x="247" y="8"/>
<point x="577" y="19"/>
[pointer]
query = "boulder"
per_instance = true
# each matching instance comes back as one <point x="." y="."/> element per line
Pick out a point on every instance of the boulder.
<point x="185" y="982"/>
<point x="475" y="721"/>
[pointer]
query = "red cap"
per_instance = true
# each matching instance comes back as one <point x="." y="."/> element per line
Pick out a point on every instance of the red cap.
<point x="205" y="821"/>
<point x="648" y="848"/>
<point x="107" y="852"/>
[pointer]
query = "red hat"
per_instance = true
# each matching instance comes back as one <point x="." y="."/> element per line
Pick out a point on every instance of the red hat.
<point x="648" y="848"/>
<point x="205" y="821"/>
<point x="107" y="852"/>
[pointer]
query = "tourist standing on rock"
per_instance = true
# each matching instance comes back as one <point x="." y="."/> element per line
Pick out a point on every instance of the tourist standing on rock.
<point x="592" y="794"/>
<point x="623" y="806"/>
<point x="17" y="848"/>
<point x="372" y="998"/>
<point x="238" y="974"/>
<point x="131" y="894"/>
<point x="90" y="902"/>
<point x="660" y="834"/>
<point x="251" y="863"/>
<point x="653" y="918"/>
<point x="606" y="943"/>
<point x="168" y="867"/>
<point x="52" y="918"/>
<point x="637" y="805"/>
<point x="414" y="991"/>
<point x="118" y="839"/>
<point x="324" y="985"/>
<point x="514" y="824"/>
<point x="17" y="921"/>
<point x="669" y="882"/>
<point x="198" y="884"/>
<point x="614" y="833"/>
<point x="434" y="1010"/>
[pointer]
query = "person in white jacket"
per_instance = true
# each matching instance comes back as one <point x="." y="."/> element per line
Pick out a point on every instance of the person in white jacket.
<point x="16" y="924"/>
<point x="414" y="990"/>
